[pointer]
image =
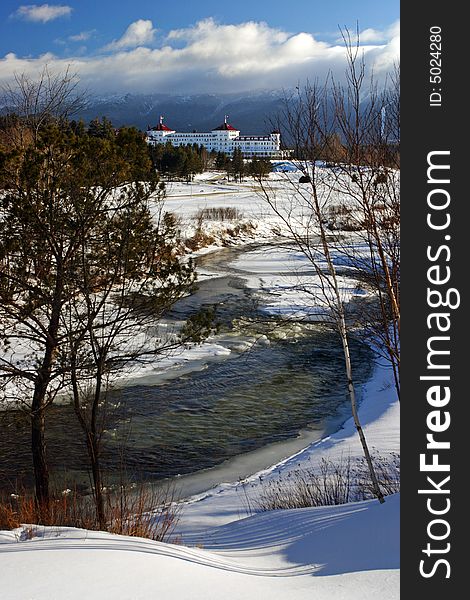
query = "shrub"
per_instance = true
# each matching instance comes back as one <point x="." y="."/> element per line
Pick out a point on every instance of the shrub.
<point x="199" y="240"/>
<point x="9" y="518"/>
<point x="243" y="228"/>
<point x="380" y="178"/>
<point x="331" y="483"/>
<point x="143" y="512"/>
<point x="219" y="213"/>
<point x="148" y="512"/>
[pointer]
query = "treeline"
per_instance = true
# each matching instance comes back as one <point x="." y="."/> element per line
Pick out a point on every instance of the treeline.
<point x="335" y="149"/>
<point x="184" y="162"/>
<point x="170" y="162"/>
<point x="238" y="168"/>
<point x="126" y="143"/>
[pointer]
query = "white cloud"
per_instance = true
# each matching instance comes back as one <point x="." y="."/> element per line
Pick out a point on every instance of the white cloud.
<point x="82" y="36"/>
<point x="373" y="36"/>
<point x="139" y="33"/>
<point x="210" y="58"/>
<point x="390" y="52"/>
<point x="42" y="13"/>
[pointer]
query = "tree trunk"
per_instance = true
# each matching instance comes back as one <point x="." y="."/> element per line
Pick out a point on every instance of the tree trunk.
<point x="92" y="435"/>
<point x="38" y="427"/>
<point x="357" y="423"/>
<point x="38" y="447"/>
<point x="39" y="405"/>
<point x="340" y="319"/>
<point x="93" y="451"/>
<point x="95" y="442"/>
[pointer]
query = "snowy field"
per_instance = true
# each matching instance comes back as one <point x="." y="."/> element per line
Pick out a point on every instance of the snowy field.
<point x="345" y="552"/>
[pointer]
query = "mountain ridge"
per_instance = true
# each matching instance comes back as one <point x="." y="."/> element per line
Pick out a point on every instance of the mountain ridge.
<point x="249" y="112"/>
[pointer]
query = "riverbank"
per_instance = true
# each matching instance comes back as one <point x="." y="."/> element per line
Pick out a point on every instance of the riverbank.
<point x="380" y="416"/>
<point x="252" y="394"/>
<point x="290" y="287"/>
<point x="347" y="552"/>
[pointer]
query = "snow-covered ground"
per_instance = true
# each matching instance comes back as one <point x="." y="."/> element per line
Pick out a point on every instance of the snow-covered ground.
<point x="379" y="413"/>
<point x="287" y="285"/>
<point x="346" y="552"/>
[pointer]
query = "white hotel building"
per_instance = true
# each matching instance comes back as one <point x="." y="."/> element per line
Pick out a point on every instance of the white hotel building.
<point x="224" y="138"/>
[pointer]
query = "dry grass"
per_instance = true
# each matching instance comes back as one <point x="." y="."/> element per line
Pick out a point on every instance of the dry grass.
<point x="241" y="229"/>
<point x="68" y="509"/>
<point x="149" y="513"/>
<point x="9" y="517"/>
<point x="199" y="240"/>
<point x="219" y="213"/>
<point x="331" y="483"/>
<point x="202" y="239"/>
<point x="142" y="512"/>
<point x="387" y="469"/>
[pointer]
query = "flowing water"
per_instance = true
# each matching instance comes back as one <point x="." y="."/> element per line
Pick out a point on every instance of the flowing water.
<point x="168" y="428"/>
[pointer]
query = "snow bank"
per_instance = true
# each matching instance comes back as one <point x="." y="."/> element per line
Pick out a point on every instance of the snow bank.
<point x="347" y="553"/>
<point x="380" y="417"/>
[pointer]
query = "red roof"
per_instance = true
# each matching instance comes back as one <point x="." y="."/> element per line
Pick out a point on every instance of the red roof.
<point x="161" y="127"/>
<point x="225" y="127"/>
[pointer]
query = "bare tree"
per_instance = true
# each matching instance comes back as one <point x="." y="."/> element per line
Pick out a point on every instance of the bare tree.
<point x="302" y="205"/>
<point x="367" y="177"/>
<point x="49" y="97"/>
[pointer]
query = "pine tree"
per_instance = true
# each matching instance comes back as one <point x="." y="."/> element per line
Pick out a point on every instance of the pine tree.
<point x="75" y="227"/>
<point x="101" y="128"/>
<point x="238" y="166"/>
<point x="221" y="161"/>
<point x="259" y="167"/>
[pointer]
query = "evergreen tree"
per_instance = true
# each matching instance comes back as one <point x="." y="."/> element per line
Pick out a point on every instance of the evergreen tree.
<point x="76" y="228"/>
<point x="178" y="161"/>
<point x="101" y="128"/>
<point x="78" y="127"/>
<point x="221" y="161"/>
<point x="259" y="167"/>
<point x="212" y="159"/>
<point x="238" y="165"/>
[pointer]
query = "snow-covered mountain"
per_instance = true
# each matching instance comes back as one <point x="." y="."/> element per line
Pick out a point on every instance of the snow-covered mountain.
<point x="251" y="113"/>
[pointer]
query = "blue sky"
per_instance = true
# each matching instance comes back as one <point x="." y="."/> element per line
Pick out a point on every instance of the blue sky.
<point x="206" y="44"/>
